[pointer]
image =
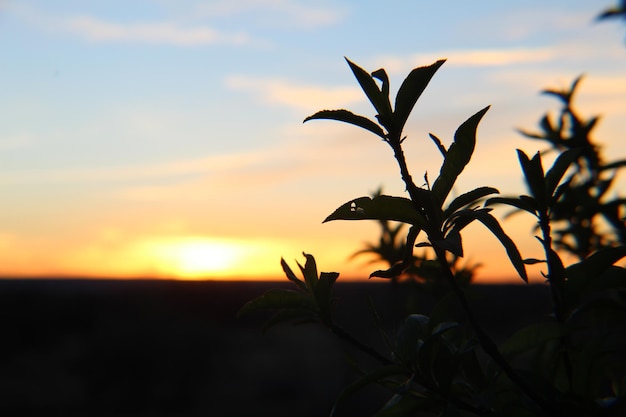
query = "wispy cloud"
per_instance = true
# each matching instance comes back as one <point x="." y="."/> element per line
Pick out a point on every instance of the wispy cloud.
<point x="298" y="96"/>
<point x="99" y="30"/>
<point x="469" y="58"/>
<point x="567" y="52"/>
<point x="174" y="169"/>
<point x="277" y="13"/>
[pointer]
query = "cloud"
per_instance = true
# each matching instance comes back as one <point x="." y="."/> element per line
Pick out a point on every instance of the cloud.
<point x="156" y="171"/>
<point x="99" y="30"/>
<point x="469" y="58"/>
<point x="562" y="53"/>
<point x="302" y="97"/>
<point x="274" y="13"/>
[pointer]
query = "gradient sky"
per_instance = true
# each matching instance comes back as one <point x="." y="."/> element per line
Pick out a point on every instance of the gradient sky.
<point x="164" y="138"/>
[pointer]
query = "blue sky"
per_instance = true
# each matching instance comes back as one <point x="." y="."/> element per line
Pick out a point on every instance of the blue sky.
<point x="128" y="129"/>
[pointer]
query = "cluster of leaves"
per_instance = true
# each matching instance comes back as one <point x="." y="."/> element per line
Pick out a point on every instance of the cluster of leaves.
<point x="585" y="216"/>
<point x="571" y="365"/>
<point x="423" y="273"/>
<point x="310" y="302"/>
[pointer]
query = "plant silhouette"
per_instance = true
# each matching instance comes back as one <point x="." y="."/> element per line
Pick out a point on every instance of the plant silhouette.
<point x="445" y="363"/>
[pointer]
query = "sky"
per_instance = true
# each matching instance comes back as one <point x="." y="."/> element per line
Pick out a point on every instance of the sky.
<point x="164" y="139"/>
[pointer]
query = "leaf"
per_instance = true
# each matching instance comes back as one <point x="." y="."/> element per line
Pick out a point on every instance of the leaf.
<point x="581" y="275"/>
<point x="533" y="174"/>
<point x="526" y="204"/>
<point x="437" y="361"/>
<point x="614" y="165"/>
<point x="611" y="12"/>
<point x="309" y="272"/>
<point x="452" y="243"/>
<point x="534" y="261"/>
<point x="382" y="207"/>
<point x="291" y="276"/>
<point x="409" y="404"/>
<point x="393" y="272"/>
<point x="532" y="336"/>
<point x="439" y="145"/>
<point x="381" y="75"/>
<point x="373" y="93"/>
<point x="415" y="330"/>
<point x="410" y="91"/>
<point x="444" y="327"/>
<point x="373" y="377"/>
<point x="347" y="116"/>
<point x="468" y="198"/>
<point x="323" y="294"/>
<point x="457" y="157"/>
<point x="559" y="167"/>
<point x="276" y="299"/>
<point x="511" y="249"/>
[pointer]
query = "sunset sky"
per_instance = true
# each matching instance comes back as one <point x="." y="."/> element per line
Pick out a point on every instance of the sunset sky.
<point x="164" y="138"/>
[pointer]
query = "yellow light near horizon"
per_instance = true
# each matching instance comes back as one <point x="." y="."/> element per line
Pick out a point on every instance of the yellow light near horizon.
<point x="193" y="257"/>
<point x="204" y="258"/>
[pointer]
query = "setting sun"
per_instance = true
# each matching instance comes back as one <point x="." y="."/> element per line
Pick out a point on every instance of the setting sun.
<point x="195" y="257"/>
<point x="199" y="258"/>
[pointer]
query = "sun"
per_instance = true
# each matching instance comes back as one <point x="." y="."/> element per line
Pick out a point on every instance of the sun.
<point x="192" y="257"/>
<point x="203" y="257"/>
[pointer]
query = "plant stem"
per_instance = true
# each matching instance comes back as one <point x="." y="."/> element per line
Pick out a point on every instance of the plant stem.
<point x="411" y="188"/>
<point x="433" y="231"/>
<point x="342" y="334"/>
<point x="485" y="341"/>
<point x="555" y="281"/>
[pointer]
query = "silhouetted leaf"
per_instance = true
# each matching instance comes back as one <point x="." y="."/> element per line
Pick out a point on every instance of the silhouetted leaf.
<point x="408" y="404"/>
<point x="323" y="294"/>
<point x="468" y="198"/>
<point x="396" y="270"/>
<point x="526" y="204"/>
<point x="452" y="243"/>
<point x="615" y="11"/>
<point x="415" y="330"/>
<point x="562" y="188"/>
<point x="530" y="135"/>
<point x="439" y="145"/>
<point x="347" y="116"/>
<point x="614" y="165"/>
<point x="547" y="127"/>
<point x="559" y="167"/>
<point x="382" y="207"/>
<point x="444" y="327"/>
<point x="564" y="95"/>
<point x="533" y="261"/>
<point x="586" y="273"/>
<point x="291" y="276"/>
<point x="531" y="337"/>
<point x="382" y="76"/>
<point x="457" y="157"/>
<point x="373" y="93"/>
<point x="511" y="249"/>
<point x="309" y="272"/>
<point x="376" y="376"/>
<point x="411" y="89"/>
<point x="534" y="176"/>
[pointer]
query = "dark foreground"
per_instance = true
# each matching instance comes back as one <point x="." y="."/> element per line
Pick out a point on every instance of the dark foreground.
<point x="168" y="348"/>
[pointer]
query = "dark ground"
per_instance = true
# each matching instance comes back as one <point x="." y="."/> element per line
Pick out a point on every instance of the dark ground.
<point x="173" y="348"/>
